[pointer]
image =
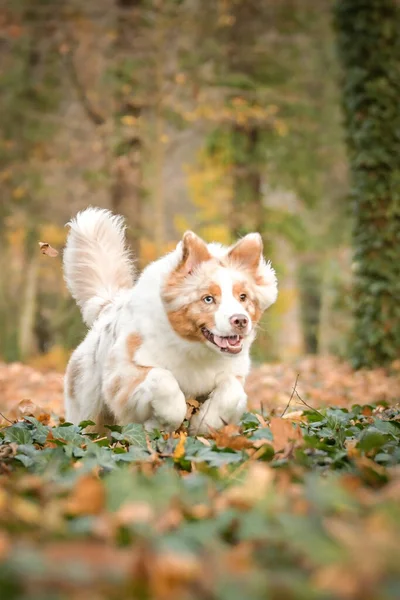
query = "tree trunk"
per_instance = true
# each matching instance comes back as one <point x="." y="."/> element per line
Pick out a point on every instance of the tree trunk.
<point x="369" y="49"/>
<point x="126" y="195"/>
<point x="26" y="336"/>
<point x="247" y="209"/>
<point x="127" y="170"/>
<point x="310" y="287"/>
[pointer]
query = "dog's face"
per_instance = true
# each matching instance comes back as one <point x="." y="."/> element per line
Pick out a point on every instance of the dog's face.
<point x="218" y="299"/>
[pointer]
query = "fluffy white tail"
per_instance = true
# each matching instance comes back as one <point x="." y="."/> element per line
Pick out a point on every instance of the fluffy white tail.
<point x="96" y="260"/>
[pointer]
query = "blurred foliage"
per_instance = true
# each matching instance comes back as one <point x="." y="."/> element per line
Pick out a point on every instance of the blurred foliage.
<point x="221" y="117"/>
<point x="369" y="49"/>
<point x="305" y="506"/>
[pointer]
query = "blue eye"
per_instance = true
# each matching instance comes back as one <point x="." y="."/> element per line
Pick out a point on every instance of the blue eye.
<point x="208" y="299"/>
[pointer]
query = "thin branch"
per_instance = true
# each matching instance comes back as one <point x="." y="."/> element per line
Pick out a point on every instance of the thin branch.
<point x="92" y="112"/>
<point x="6" y="419"/>
<point x="292" y="394"/>
<point x="308" y="405"/>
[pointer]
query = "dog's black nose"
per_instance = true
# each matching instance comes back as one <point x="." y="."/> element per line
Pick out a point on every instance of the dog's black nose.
<point x="239" y="321"/>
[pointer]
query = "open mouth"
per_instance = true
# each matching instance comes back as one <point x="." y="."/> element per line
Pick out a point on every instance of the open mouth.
<point x="232" y="344"/>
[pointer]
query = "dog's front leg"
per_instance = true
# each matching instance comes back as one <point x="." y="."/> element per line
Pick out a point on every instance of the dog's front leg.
<point x="138" y="394"/>
<point x="226" y="404"/>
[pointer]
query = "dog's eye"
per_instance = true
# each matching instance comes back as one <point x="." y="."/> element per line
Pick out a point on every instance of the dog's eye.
<point x="243" y="297"/>
<point x="208" y="299"/>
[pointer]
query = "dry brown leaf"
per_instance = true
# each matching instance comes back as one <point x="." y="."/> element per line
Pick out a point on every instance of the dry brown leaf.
<point x="229" y="437"/>
<point x="134" y="512"/>
<point x="255" y="486"/>
<point x="170" y="572"/>
<point x="285" y="436"/>
<point x="45" y="248"/>
<point x="87" y="498"/>
<point x="204" y="440"/>
<point x="27" y="408"/>
<point x="192" y="406"/>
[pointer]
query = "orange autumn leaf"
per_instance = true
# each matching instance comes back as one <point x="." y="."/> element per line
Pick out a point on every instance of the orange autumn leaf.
<point x="284" y="434"/>
<point x="45" y="248"/>
<point x="87" y="498"/>
<point x="179" y="451"/>
<point x="229" y="437"/>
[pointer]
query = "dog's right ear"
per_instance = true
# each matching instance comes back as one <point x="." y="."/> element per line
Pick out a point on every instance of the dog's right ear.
<point x="194" y="252"/>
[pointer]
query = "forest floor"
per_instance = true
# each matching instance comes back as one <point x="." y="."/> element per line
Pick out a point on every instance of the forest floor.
<point x="301" y="501"/>
<point x="321" y="381"/>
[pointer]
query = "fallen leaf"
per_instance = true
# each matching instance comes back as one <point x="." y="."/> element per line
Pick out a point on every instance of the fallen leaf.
<point x="229" y="437"/>
<point x="87" y="498"/>
<point x="134" y="512"/>
<point x="285" y="436"/>
<point x="192" y="406"/>
<point x="45" y="248"/>
<point x="258" y="480"/>
<point x="179" y="451"/>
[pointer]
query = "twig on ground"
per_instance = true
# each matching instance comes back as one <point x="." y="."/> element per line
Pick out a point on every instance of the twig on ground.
<point x="262" y="410"/>
<point x="4" y="417"/>
<point x="308" y="405"/>
<point x="292" y="394"/>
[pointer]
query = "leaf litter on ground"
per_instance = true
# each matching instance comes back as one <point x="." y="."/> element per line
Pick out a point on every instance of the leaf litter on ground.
<point x="304" y="506"/>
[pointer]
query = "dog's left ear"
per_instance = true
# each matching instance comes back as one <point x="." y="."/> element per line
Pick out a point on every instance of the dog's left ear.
<point x="247" y="252"/>
<point x="194" y="252"/>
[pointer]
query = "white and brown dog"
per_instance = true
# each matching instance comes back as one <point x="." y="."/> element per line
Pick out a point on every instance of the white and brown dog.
<point x="182" y="329"/>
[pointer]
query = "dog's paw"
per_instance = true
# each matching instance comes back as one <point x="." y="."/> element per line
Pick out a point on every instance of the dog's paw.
<point x="226" y="405"/>
<point x="167" y="400"/>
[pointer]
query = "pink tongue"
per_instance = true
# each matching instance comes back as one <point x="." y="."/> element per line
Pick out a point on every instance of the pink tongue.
<point x="234" y="342"/>
<point x="220" y="341"/>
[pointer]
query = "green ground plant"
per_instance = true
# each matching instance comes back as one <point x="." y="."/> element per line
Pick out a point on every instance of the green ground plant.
<point x="305" y="506"/>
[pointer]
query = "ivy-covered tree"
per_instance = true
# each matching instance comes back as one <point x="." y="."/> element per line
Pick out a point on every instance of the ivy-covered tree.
<point x="369" y="50"/>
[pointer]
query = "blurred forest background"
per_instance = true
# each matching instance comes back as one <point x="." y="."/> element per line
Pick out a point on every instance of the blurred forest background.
<point x="221" y="116"/>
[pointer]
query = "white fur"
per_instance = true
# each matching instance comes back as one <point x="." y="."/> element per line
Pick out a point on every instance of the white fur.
<point x="97" y="270"/>
<point x="96" y="260"/>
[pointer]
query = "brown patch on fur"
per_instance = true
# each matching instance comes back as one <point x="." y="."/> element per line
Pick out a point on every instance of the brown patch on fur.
<point x="115" y="386"/>
<point x="73" y="374"/>
<point x="247" y="253"/>
<point x="106" y="417"/>
<point x="250" y="304"/>
<point x="120" y="393"/>
<point x="214" y="290"/>
<point x="194" y="251"/>
<point x="133" y="343"/>
<point x="188" y="320"/>
<point x="122" y="398"/>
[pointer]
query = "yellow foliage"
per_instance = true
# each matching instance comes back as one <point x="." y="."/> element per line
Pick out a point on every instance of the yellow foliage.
<point x="55" y="359"/>
<point x="53" y="234"/>
<point x="288" y="296"/>
<point x="180" y="78"/>
<point x="16" y="237"/>
<point x="148" y="250"/>
<point x="281" y="127"/>
<point x="129" y="120"/>
<point x="210" y="187"/>
<point x="181" y="223"/>
<point x="19" y="192"/>
<point x="5" y="175"/>
<point x="216" y="233"/>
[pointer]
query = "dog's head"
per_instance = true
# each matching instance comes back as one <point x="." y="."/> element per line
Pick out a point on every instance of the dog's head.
<point x="216" y="296"/>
